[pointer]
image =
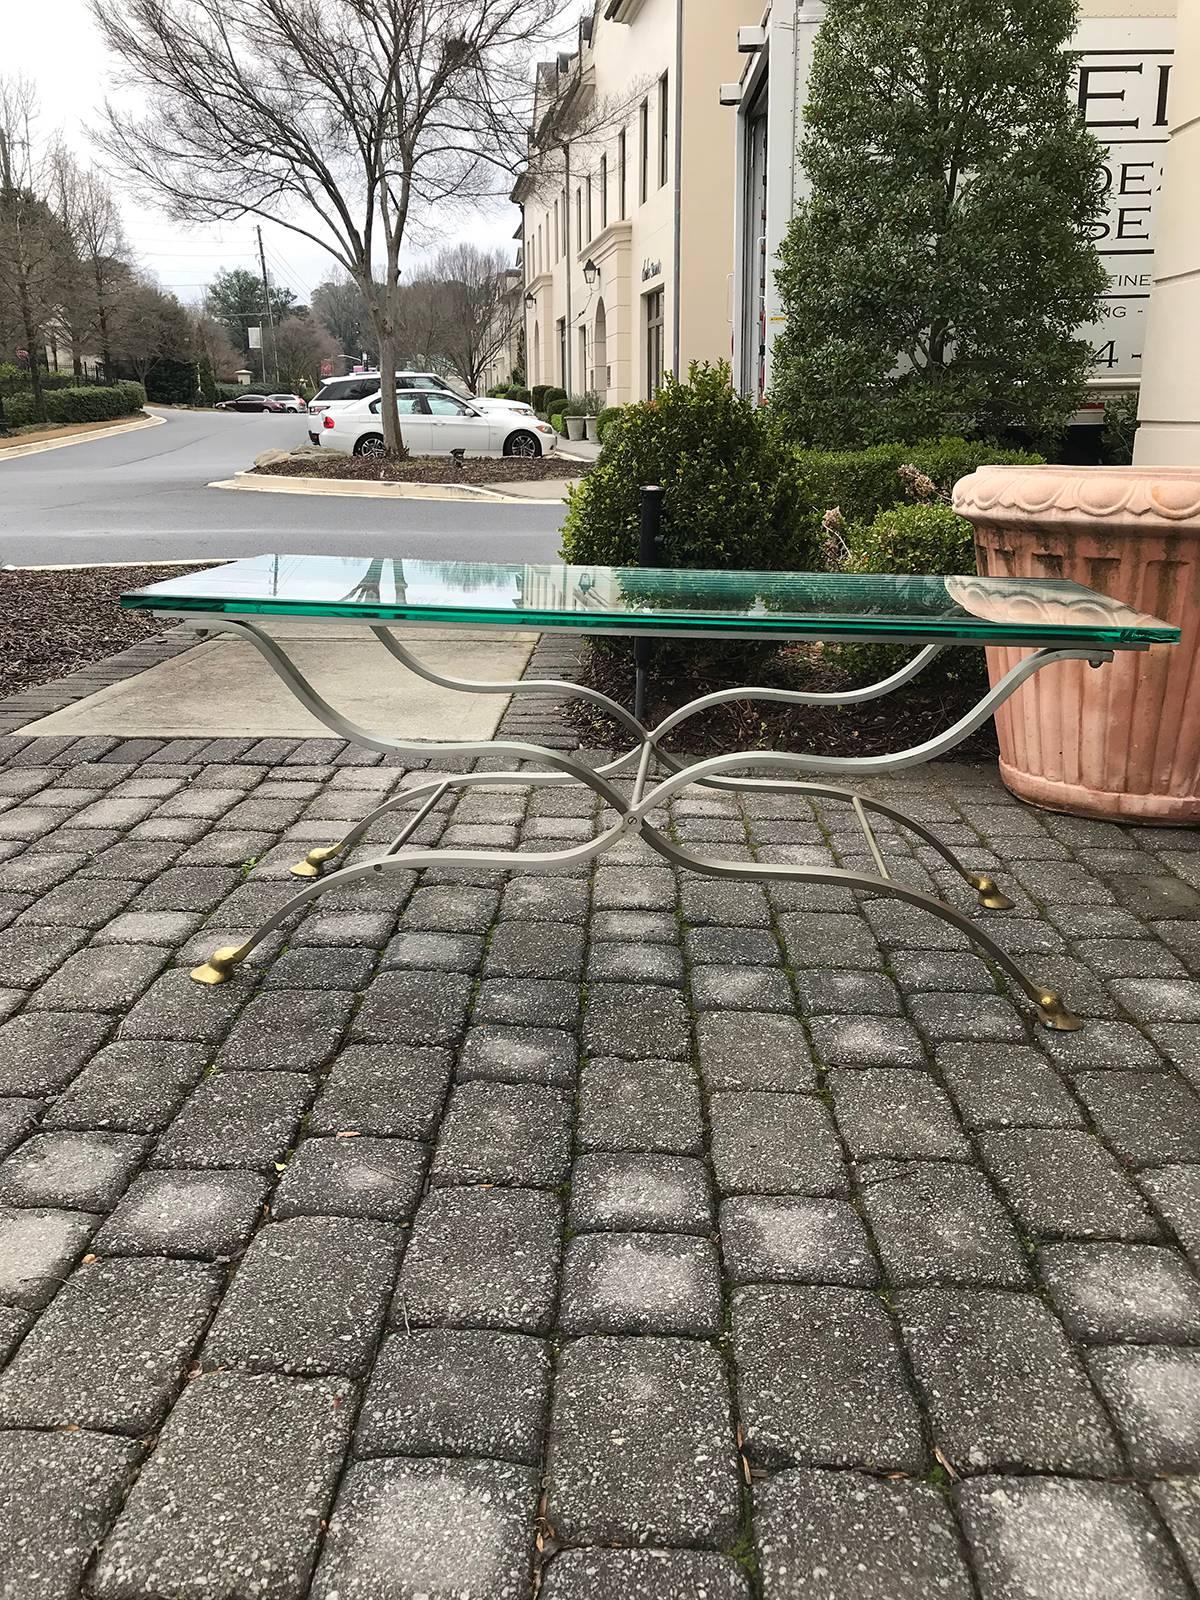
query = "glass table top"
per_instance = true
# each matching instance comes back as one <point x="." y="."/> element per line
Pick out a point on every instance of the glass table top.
<point x="654" y="600"/>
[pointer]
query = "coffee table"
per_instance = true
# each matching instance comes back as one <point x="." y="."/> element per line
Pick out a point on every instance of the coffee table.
<point x="1055" y="620"/>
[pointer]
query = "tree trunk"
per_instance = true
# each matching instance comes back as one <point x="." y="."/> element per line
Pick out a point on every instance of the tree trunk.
<point x="32" y="341"/>
<point x="389" y="412"/>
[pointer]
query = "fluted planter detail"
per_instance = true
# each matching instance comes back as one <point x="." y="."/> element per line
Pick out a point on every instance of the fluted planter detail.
<point x="1123" y="741"/>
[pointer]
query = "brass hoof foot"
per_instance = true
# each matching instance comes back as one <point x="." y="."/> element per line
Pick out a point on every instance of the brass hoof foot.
<point x="311" y="866"/>
<point x="1054" y="1013"/>
<point x="220" y="964"/>
<point x="989" y="892"/>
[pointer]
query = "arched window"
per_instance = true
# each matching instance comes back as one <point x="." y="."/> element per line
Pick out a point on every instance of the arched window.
<point x="600" y="350"/>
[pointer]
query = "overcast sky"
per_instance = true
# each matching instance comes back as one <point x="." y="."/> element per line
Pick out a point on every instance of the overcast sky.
<point x="54" y="43"/>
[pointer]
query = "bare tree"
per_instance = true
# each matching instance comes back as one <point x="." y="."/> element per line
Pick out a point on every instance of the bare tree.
<point x="479" y="304"/>
<point x="35" y="253"/>
<point x="213" y="345"/>
<point x="338" y="305"/>
<point x="301" y="344"/>
<point x="151" y="327"/>
<point x="103" y="273"/>
<point x="339" y="119"/>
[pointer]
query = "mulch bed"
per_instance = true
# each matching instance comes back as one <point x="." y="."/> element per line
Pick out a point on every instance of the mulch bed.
<point x="908" y="717"/>
<point x="428" y="469"/>
<point x="57" y="622"/>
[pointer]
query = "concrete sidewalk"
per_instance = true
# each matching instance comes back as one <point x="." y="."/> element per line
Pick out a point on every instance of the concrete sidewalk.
<point x="224" y="689"/>
<point x="657" y="1235"/>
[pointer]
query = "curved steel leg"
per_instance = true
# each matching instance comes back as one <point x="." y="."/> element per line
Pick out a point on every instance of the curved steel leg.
<point x="221" y="963"/>
<point x="1051" y="1009"/>
<point x="311" y="866"/>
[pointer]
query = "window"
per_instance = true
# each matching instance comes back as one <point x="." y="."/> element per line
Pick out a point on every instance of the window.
<point x="644" y="150"/>
<point x="445" y="405"/>
<point x="604" y="191"/>
<point x="654" y="342"/>
<point x="579" y="215"/>
<point x="408" y="405"/>
<point x="556" y="230"/>
<point x="591" y="229"/>
<point x="562" y="350"/>
<point x="539" y="247"/>
<point x="621" y="173"/>
<point x="664" y="132"/>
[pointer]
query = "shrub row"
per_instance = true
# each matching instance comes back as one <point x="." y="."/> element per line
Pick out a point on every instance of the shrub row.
<point x="511" y="391"/>
<point x="84" y="404"/>
<point x="546" y="397"/>
<point x="861" y="483"/>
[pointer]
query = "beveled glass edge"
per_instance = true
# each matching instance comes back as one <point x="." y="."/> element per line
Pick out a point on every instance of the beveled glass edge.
<point x="656" y="624"/>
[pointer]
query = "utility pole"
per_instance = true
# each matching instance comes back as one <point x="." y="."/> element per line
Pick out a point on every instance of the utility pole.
<point x="270" y="316"/>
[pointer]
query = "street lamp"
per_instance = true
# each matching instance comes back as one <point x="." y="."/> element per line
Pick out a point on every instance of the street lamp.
<point x="591" y="273"/>
<point x="530" y="299"/>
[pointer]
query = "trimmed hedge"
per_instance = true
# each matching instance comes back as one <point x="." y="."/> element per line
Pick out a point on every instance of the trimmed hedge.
<point x="862" y="483"/>
<point x="558" y="423"/>
<point x="555" y="399"/>
<point x="93" y="403"/>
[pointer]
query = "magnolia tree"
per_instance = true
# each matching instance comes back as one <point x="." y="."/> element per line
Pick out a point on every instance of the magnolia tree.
<point x="342" y="120"/>
<point x="937" y="276"/>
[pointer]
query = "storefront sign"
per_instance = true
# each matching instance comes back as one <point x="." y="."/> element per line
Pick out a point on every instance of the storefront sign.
<point x="1123" y="88"/>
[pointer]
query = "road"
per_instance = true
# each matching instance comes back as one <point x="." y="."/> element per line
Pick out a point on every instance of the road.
<point x="143" y="497"/>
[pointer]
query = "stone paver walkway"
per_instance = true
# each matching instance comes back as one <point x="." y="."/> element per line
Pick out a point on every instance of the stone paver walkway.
<point x="632" y="1233"/>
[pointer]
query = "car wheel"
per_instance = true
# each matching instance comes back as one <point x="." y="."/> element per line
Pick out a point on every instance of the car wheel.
<point x="522" y="444"/>
<point x="371" y="444"/>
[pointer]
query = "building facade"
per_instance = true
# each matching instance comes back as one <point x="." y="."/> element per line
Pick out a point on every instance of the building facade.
<point x="627" y="204"/>
<point x="1124" y="83"/>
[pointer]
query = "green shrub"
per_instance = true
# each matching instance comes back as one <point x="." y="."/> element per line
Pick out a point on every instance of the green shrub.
<point x="732" y="493"/>
<point x="516" y="392"/>
<point x="558" y="423"/>
<point x="605" y="420"/>
<point x="94" y="404"/>
<point x="861" y="483"/>
<point x="555" y="399"/>
<point x="575" y="406"/>
<point x="134" y="393"/>
<point x="498" y="391"/>
<point x="539" y="393"/>
<point x="18" y="409"/>
<point x="918" y="538"/>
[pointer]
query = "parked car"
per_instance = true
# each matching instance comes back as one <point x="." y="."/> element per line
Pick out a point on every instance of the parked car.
<point x="290" y="402"/>
<point x="434" y="423"/>
<point x="338" y="393"/>
<point x="251" y="402"/>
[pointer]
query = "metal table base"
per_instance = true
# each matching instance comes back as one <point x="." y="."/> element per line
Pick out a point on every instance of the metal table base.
<point x="726" y="772"/>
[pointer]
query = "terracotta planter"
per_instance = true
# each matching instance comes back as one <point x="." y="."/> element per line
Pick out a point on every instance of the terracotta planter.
<point x="1122" y="741"/>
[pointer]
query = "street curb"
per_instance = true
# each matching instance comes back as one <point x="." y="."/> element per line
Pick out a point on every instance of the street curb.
<point x="270" y="483"/>
<point x="16" y="450"/>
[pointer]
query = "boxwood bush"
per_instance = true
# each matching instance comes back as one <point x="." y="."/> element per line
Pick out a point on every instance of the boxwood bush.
<point x="916" y="538"/>
<point x="606" y="419"/>
<point x="732" y="489"/>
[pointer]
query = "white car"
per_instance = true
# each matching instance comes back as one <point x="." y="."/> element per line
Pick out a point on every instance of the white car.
<point x="434" y="423"/>
<point x="338" y="393"/>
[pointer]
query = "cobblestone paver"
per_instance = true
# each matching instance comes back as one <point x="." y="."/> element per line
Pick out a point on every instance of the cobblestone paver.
<point x="608" y="1233"/>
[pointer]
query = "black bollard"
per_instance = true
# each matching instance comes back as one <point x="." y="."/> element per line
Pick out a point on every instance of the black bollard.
<point x="649" y="555"/>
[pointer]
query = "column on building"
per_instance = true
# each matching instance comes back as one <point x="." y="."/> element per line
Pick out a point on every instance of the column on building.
<point x="1169" y="409"/>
